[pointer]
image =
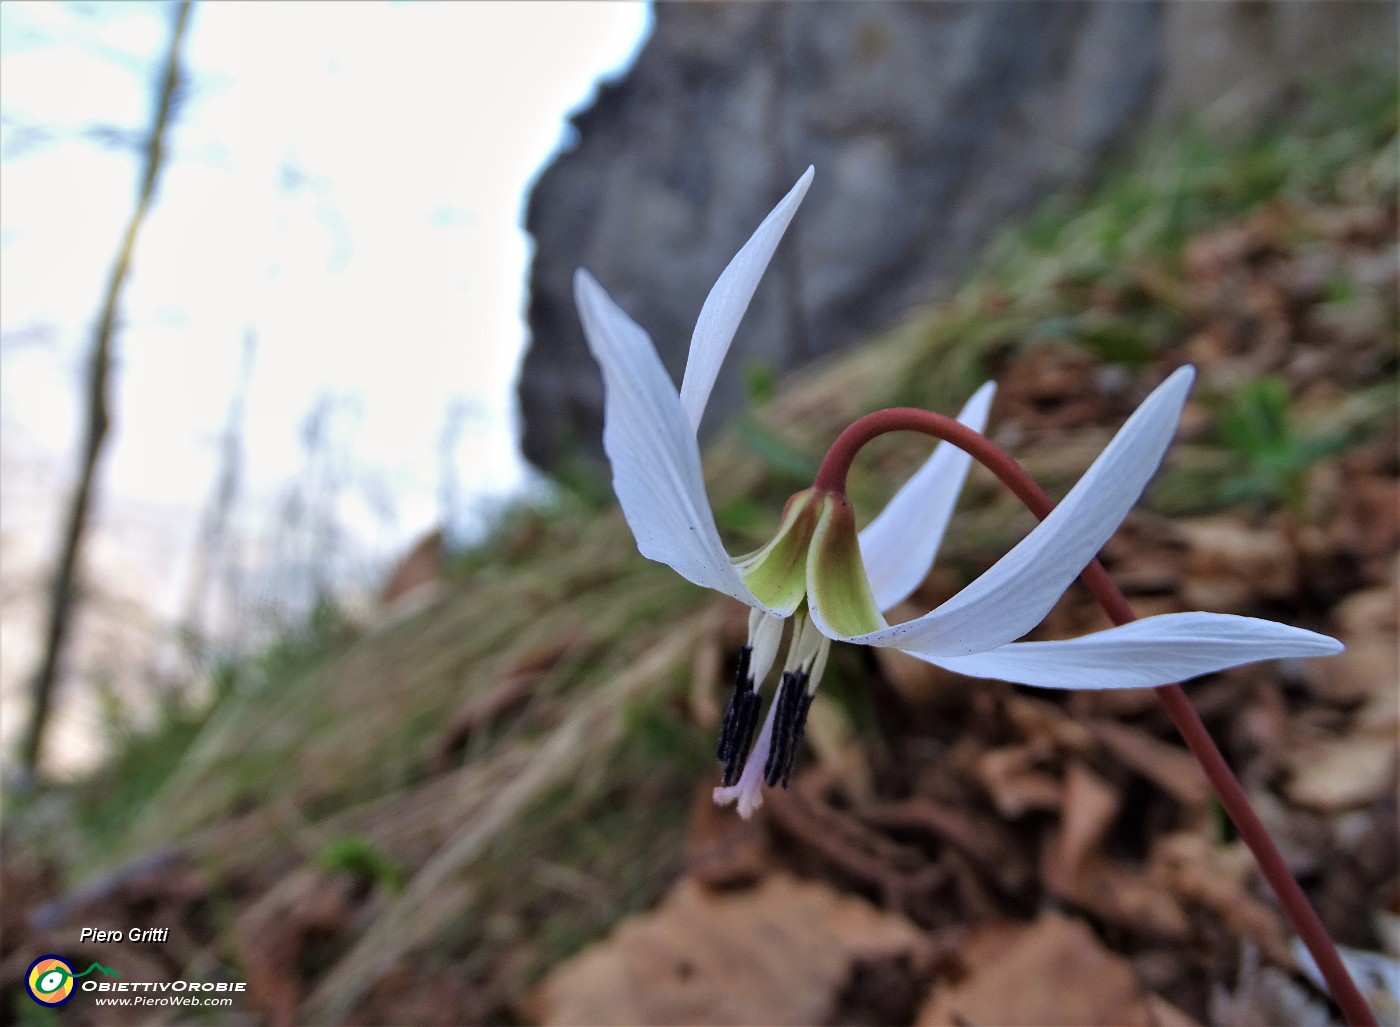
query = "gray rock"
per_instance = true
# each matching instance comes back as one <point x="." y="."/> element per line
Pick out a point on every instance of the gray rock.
<point x="930" y="125"/>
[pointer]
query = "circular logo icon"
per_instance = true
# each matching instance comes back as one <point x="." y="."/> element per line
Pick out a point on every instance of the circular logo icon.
<point x="49" y="981"/>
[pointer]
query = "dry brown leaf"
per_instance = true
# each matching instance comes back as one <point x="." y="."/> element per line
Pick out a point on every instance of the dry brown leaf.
<point x="401" y="996"/>
<point x="779" y="954"/>
<point x="1368" y="523"/>
<point x="1144" y="556"/>
<point x="1370" y="667"/>
<point x="997" y="853"/>
<point x="1010" y="776"/>
<point x="1161" y="1013"/>
<point x="1171" y="767"/>
<point x="1342" y="773"/>
<point x="1054" y="971"/>
<point x="1089" y="807"/>
<point x="1218" y="879"/>
<point x="811" y="816"/>
<point x="1051" y="390"/>
<point x="1115" y="702"/>
<point x="274" y="935"/>
<point x="1036" y="719"/>
<point x="722" y="849"/>
<point x="1073" y="867"/>
<point x="1230" y="565"/>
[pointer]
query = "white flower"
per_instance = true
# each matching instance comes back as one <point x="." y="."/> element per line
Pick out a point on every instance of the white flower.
<point x="834" y="582"/>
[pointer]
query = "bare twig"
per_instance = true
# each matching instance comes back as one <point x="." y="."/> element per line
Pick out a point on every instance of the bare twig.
<point x="62" y="593"/>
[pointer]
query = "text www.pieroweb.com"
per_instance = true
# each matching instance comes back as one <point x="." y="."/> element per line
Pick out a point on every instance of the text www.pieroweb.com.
<point x="144" y="988"/>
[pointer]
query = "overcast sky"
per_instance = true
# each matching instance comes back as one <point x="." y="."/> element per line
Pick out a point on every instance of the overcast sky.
<point x="345" y="181"/>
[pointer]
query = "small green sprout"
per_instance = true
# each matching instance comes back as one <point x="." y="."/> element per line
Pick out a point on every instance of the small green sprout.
<point x="1261" y="429"/>
<point x="362" y="860"/>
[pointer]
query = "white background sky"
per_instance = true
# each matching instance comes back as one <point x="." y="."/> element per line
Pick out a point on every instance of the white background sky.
<point x="345" y="180"/>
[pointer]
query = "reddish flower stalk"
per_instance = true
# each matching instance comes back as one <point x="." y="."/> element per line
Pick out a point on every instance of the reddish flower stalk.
<point x="831" y="476"/>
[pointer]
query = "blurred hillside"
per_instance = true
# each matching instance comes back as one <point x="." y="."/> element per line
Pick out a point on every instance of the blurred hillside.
<point x="433" y="815"/>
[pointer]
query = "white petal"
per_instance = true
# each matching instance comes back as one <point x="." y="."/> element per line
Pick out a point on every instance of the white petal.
<point x="899" y="546"/>
<point x="652" y="448"/>
<point x="724" y="307"/>
<point x="1154" y="651"/>
<point x="1018" y="591"/>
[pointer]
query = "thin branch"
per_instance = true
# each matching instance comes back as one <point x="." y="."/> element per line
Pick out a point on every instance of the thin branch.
<point x="62" y="593"/>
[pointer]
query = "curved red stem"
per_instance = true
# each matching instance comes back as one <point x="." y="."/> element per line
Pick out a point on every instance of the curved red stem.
<point x="832" y="476"/>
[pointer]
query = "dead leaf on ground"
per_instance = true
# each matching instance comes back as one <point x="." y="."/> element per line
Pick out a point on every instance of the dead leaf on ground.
<point x="1051" y="390"/>
<point x="1036" y="718"/>
<point x="1370" y="667"/>
<point x="1054" y="971"/>
<point x="1012" y="777"/>
<point x="780" y="954"/>
<point x="1217" y="878"/>
<point x="1169" y="766"/>
<point x="305" y="910"/>
<point x="1230" y="565"/>
<point x="1343" y="773"/>
<point x="1074" y="868"/>
<point x="997" y="853"/>
<point x="810" y="819"/>
<point x="1090" y="806"/>
<point x="722" y="850"/>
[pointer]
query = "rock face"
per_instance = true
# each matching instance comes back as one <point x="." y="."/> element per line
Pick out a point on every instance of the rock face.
<point x="930" y="125"/>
